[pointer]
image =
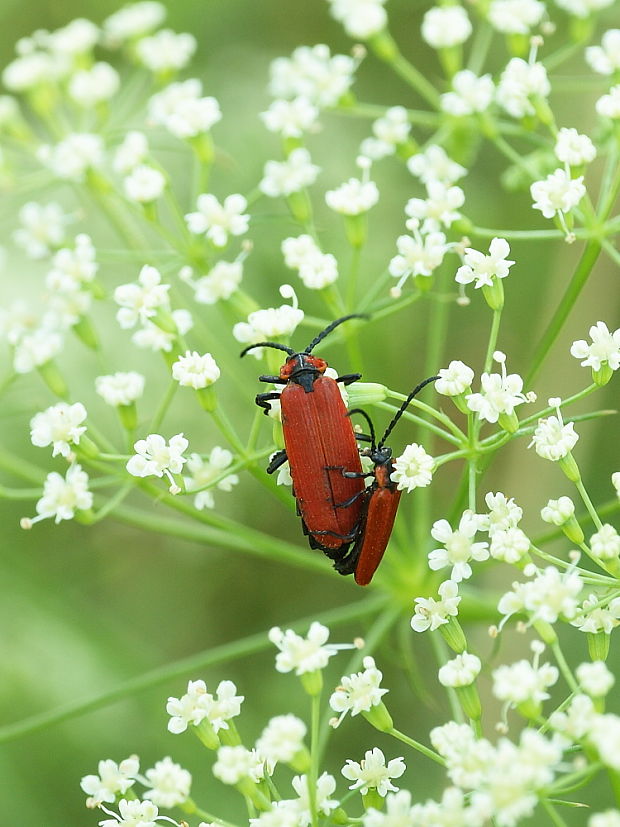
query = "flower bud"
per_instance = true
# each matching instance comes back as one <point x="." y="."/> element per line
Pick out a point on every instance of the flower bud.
<point x="598" y="646"/>
<point x="570" y="467"/>
<point x="366" y="393"/>
<point x="312" y="682"/>
<point x="379" y="717"/>
<point x="453" y="634"/>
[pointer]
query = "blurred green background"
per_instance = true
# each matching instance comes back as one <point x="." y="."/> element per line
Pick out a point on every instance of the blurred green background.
<point x="82" y="610"/>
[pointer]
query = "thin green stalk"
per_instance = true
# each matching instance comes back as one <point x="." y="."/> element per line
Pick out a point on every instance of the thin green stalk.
<point x="441" y="656"/>
<point x="164" y="404"/>
<point x="577" y="283"/>
<point x="434" y="756"/>
<point x="374" y="111"/>
<point x="227" y="430"/>
<point x="564" y="667"/>
<point x="423" y="423"/>
<point x="313" y="775"/>
<point x="408" y="72"/>
<point x="480" y="47"/>
<point x="528" y="235"/>
<point x="588" y="504"/>
<point x="553" y="814"/>
<point x="492" y="346"/>
<point x="192" y="665"/>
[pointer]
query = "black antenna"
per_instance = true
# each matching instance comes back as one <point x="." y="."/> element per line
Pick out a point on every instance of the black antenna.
<point x="331" y="327"/>
<point x="401" y="410"/>
<point x="274" y="345"/>
<point x="370" y="425"/>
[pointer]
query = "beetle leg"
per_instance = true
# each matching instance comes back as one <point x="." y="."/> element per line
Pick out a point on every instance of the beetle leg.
<point x="278" y="459"/>
<point x="262" y="400"/>
<point x="274" y="380"/>
<point x="363" y="437"/>
<point x="351" y="500"/>
<point x="348" y="378"/>
<point x="350" y="475"/>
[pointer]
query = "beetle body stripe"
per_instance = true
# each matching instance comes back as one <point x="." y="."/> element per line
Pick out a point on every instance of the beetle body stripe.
<point x="320" y="444"/>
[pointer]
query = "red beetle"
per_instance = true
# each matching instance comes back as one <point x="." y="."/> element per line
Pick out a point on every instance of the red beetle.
<point x="379" y="503"/>
<point x="320" y="445"/>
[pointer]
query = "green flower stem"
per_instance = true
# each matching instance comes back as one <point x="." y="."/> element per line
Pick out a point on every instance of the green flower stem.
<point x="480" y="47"/>
<point x="406" y="70"/>
<point x="191" y="808"/>
<point x="247" y="460"/>
<point x="434" y="756"/>
<point x="255" y="430"/>
<point x="111" y="504"/>
<point x="587" y="576"/>
<point x="117" y="218"/>
<point x="614" y="780"/>
<point x="428" y="409"/>
<point x="192" y="665"/>
<point x="20" y="493"/>
<point x="564" y="667"/>
<point x="440" y="649"/>
<point x="578" y="281"/>
<point x="472" y="471"/>
<point x="389" y="306"/>
<point x="162" y="409"/>
<point x="492" y="346"/>
<point x="528" y="235"/>
<point x="374" y="111"/>
<point x="517" y="158"/>
<point x="227" y="430"/>
<point x="611" y="251"/>
<point x="313" y="774"/>
<point x="588" y="504"/>
<point x="21" y="468"/>
<point x="422" y="422"/>
<point x="553" y="814"/>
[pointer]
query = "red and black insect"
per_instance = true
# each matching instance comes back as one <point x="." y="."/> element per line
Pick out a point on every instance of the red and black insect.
<point x="379" y="503"/>
<point x="320" y="445"/>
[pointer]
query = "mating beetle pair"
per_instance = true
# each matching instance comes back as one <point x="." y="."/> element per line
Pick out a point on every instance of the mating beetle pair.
<point x="350" y="523"/>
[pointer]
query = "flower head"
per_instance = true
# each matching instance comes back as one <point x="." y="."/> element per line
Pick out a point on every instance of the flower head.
<point x="183" y="111"/>
<point x="264" y="325"/>
<point x="413" y="468"/>
<point x="455" y="379"/>
<point x="289" y="176"/>
<point x="60" y="426"/>
<point x="520" y="84"/>
<point x="460" y="671"/>
<point x="469" y="93"/>
<point x="500" y="394"/>
<point x="155" y="457"/>
<point x="42" y="228"/>
<point x="169" y="783"/>
<point x="604" y="349"/>
<point x="373" y="772"/>
<point x="358" y="692"/>
<point x="282" y="739"/>
<point x="459" y="547"/>
<point x="360" y="18"/>
<point x="445" y="26"/>
<point x="204" y="472"/>
<point x="313" y="73"/>
<point x="353" y="197"/>
<point x="605" y="59"/>
<point x="431" y="613"/>
<point x="219" y="220"/>
<point x="302" y="654"/>
<point x="481" y="268"/>
<point x="62" y="496"/>
<point x="558" y="193"/>
<point x="140" y="302"/>
<point x="195" y="371"/>
<point x="553" y="439"/>
<point x="166" y="51"/>
<point x="120" y="388"/>
<point x="113" y="779"/>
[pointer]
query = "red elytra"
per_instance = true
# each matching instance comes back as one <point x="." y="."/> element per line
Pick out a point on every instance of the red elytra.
<point x="379" y="504"/>
<point x="320" y="445"/>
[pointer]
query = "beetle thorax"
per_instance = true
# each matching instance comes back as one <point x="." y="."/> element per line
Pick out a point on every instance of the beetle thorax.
<point x="302" y="364"/>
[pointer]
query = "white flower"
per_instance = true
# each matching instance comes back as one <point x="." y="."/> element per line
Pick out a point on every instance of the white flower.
<point x="89" y="87"/>
<point x="595" y="678"/>
<point x="220" y="282"/>
<point x="291" y="175"/>
<point x="73" y="268"/>
<point x="605" y="59"/>
<point x="545" y="597"/>
<point x="183" y="111"/>
<point x="467" y="758"/>
<point x="519" y="83"/>
<point x="499" y="394"/>
<point x="515" y="16"/>
<point x="144" y="184"/>
<point x="469" y="94"/>
<point x="454" y="810"/>
<point x="42" y="228"/>
<point x="353" y="197"/>
<point x="431" y="613"/>
<point x="131" y="152"/>
<point x="28" y="71"/>
<point x="66" y="309"/>
<point x="139" y="302"/>
<point x="281" y="814"/>
<point x="595" y="618"/>
<point x="325" y="786"/>
<point x="460" y="671"/>
<point x="434" y="165"/>
<point x="62" y="496"/>
<point x="132" y="21"/>
<point x="557" y="193"/>
<point x="577" y="719"/>
<point x="483" y="269"/>
<point x="605" y="348"/>
<point x="615" y="481"/>
<point x="553" y="439"/>
<point x="459" y="547"/>
<point x="455" y="379"/>
<point x="218" y="220"/>
<point x="282" y="739"/>
<point x="203" y="472"/>
<point x="604" y="734"/>
<point x="166" y="51"/>
<point x="558" y="512"/>
<point x="61" y="425"/>
<point x="605" y="544"/>
<point x="169" y="783"/>
<point x="373" y="772"/>
<point x="73" y="156"/>
<point x="361" y="18"/>
<point x="521" y="681"/>
<point x="120" y="388"/>
<point x="392" y="128"/>
<point x="413" y="468"/>
<point x="574" y="149"/>
<point x="312" y="72"/>
<point x="316" y="269"/>
<point x="302" y="654"/>
<point x="76" y="38"/>
<point x="35" y="349"/>
<point x="582" y="8"/>
<point x="418" y="255"/>
<point x="509" y="545"/>
<point x="153" y="337"/>
<point x="113" y="778"/>
<point x="445" y="26"/>
<point x="195" y="371"/>
<point x="608" y="818"/>
<point x="609" y="105"/>
<point x="133" y="814"/>
<point x="504" y="513"/>
<point x="237" y="763"/>
<point x="154" y="457"/>
<point x="358" y="692"/>
<point x="198" y="704"/>
<point x="440" y="208"/>
<point x="264" y="325"/>
<point x="290" y="119"/>
<point x="398" y="812"/>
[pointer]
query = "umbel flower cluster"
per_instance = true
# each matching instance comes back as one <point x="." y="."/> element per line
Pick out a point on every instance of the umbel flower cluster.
<point x="121" y="253"/>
